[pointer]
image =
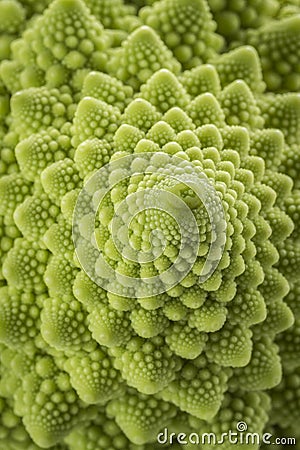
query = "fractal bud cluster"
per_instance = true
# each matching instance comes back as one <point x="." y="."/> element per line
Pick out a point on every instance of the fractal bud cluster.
<point x="149" y="222"/>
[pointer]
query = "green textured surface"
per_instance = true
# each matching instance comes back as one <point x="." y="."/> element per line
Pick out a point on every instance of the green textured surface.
<point x="216" y="84"/>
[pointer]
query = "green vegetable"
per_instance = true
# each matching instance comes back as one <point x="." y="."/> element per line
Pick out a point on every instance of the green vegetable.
<point x="185" y="90"/>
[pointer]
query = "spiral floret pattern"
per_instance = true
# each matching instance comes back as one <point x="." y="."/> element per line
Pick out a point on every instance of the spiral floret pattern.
<point x="149" y="228"/>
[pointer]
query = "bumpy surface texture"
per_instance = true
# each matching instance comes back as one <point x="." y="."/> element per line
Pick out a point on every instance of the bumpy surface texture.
<point x="204" y="88"/>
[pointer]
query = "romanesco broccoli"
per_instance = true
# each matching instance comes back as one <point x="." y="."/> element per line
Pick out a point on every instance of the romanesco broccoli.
<point x="149" y="222"/>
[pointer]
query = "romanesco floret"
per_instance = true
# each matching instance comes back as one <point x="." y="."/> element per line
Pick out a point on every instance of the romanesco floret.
<point x="149" y="221"/>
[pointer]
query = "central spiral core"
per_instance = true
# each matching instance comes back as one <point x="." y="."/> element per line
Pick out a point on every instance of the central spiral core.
<point x="146" y="222"/>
